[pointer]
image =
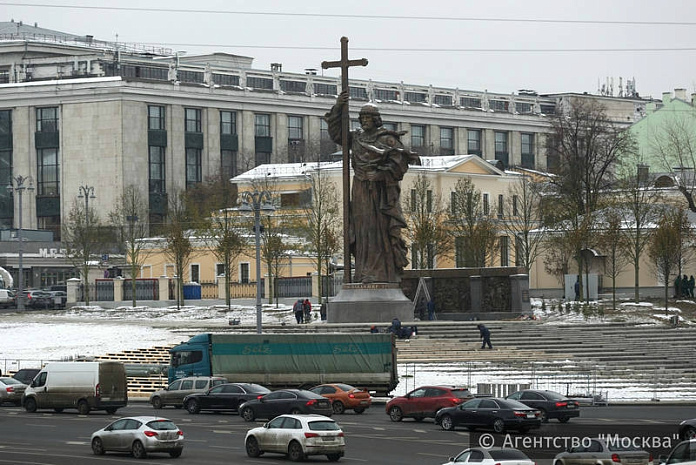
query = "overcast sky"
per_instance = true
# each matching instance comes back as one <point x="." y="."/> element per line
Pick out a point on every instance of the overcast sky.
<point x="498" y="45"/>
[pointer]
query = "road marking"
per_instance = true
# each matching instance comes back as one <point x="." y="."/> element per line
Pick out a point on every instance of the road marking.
<point x="76" y="443"/>
<point x="219" y="431"/>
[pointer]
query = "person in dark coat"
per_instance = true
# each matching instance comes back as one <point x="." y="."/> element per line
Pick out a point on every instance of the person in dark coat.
<point x="692" y="283"/>
<point x="485" y="336"/>
<point x="431" y="309"/>
<point x="307" y="307"/>
<point x="685" y="286"/>
<point x="677" y="287"/>
<point x="298" y="308"/>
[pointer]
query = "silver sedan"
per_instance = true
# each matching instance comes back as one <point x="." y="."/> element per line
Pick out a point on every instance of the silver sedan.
<point x="11" y="390"/>
<point x="139" y="436"/>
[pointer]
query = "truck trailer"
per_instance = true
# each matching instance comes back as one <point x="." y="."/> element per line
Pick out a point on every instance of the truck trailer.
<point x="280" y="361"/>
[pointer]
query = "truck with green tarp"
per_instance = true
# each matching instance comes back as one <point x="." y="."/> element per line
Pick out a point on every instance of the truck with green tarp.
<point x="290" y="360"/>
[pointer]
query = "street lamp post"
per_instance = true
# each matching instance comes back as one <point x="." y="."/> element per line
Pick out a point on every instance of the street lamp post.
<point x="256" y="201"/>
<point x="20" y="187"/>
<point x="86" y="192"/>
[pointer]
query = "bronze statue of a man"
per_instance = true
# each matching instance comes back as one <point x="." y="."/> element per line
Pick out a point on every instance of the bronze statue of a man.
<point x="379" y="162"/>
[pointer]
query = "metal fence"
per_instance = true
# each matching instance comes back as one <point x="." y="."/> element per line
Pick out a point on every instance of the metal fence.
<point x="294" y="287"/>
<point x="104" y="290"/>
<point x="145" y="289"/>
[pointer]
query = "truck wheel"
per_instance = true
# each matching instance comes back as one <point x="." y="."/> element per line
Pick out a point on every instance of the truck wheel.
<point x="192" y="406"/>
<point x="395" y="414"/>
<point x="138" y="450"/>
<point x="111" y="410"/>
<point x="248" y="414"/>
<point x="30" y="405"/>
<point x="157" y="402"/>
<point x="83" y="407"/>
<point x="338" y="407"/>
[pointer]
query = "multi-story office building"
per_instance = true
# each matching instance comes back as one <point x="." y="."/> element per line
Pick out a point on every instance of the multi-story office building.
<point x="76" y="111"/>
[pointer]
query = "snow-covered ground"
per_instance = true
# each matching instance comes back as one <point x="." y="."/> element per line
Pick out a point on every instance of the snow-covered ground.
<point x="33" y="337"/>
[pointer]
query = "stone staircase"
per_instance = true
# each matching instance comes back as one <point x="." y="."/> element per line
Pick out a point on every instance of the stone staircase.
<point x="654" y="359"/>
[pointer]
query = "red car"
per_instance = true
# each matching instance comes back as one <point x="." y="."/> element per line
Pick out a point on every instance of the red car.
<point x="425" y="401"/>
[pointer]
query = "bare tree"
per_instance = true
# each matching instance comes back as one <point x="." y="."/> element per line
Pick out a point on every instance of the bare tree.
<point x="473" y="228"/>
<point x="525" y="219"/>
<point x="584" y="147"/>
<point x="638" y="209"/>
<point x="275" y="251"/>
<point x="426" y="217"/>
<point x="129" y="217"/>
<point x="80" y="237"/>
<point x="665" y="248"/>
<point x="178" y="246"/>
<point x="321" y="223"/>
<point x="612" y="240"/>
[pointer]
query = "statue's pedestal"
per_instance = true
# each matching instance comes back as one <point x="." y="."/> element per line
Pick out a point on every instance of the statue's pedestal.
<point x="369" y="303"/>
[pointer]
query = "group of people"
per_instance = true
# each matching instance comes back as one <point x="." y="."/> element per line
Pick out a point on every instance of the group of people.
<point x="684" y="286"/>
<point x="303" y="311"/>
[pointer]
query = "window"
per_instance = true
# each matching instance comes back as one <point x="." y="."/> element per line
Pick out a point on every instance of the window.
<point x="244" y="273"/>
<point x="504" y="252"/>
<point x="354" y="125"/>
<point x="515" y="205"/>
<point x="325" y="89"/>
<point x="501" y="206"/>
<point x="486" y="205"/>
<point x="228" y="123"/>
<point x="447" y="141"/>
<point x="527" y="150"/>
<point x="415" y="97"/>
<point x="414" y="200"/>
<point x="5" y="122"/>
<point x="47" y="119"/>
<point x="389" y="126"/>
<point x="293" y="86"/>
<point x="386" y="94"/>
<point x="262" y="125"/>
<point x="519" y="251"/>
<point x="499" y="105"/>
<point x="474" y="142"/>
<point x="156" y="175"/>
<point x="523" y="108"/>
<point x="191" y="76"/>
<point x="443" y="100"/>
<point x="470" y="102"/>
<point x="192" y="120"/>
<point x="195" y="273"/>
<point x="358" y="93"/>
<point x="295" y="128"/>
<point x="228" y="163"/>
<point x="259" y="83"/>
<point x="155" y="118"/>
<point x="417" y="136"/>
<point x="193" y="166"/>
<point x="429" y="200"/>
<point x="47" y="161"/>
<point x="225" y="79"/>
<point x="6" y="151"/>
<point x="219" y="269"/>
<point x="501" y="147"/>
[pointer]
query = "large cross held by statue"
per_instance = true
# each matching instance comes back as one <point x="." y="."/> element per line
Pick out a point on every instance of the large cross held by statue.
<point x="344" y="63"/>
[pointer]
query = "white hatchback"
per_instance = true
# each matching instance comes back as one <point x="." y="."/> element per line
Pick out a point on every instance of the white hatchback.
<point x="297" y="436"/>
<point x="493" y="456"/>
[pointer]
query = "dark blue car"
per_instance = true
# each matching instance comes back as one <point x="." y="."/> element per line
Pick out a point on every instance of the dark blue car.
<point x="493" y="413"/>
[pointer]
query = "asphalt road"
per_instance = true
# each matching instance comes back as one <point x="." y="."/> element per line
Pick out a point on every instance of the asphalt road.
<point x="48" y="438"/>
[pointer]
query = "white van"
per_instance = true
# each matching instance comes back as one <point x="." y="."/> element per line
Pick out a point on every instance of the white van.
<point x="85" y="386"/>
<point x="7" y="298"/>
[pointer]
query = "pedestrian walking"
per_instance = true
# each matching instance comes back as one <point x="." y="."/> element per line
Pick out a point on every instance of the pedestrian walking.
<point x="431" y="309"/>
<point x="685" y="286"/>
<point x="298" y="308"/>
<point x="485" y="336"/>
<point x="577" y="289"/>
<point x="677" y="287"/>
<point x="692" y="283"/>
<point x="307" y="308"/>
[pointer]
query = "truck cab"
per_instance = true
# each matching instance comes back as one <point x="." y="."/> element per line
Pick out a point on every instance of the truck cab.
<point x="191" y="358"/>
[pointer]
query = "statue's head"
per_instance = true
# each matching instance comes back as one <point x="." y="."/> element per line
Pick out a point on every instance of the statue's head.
<point x="371" y="110"/>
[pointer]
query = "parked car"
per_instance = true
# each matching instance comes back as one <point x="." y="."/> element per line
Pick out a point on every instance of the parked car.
<point x="493" y="413"/>
<point x="425" y="401"/>
<point x="224" y="397"/>
<point x="7" y="298"/>
<point x="293" y="401"/>
<point x="11" y="390"/>
<point x="297" y="436"/>
<point x="344" y="397"/>
<point x="26" y="375"/>
<point x="58" y="299"/>
<point x="494" y="456"/>
<point x="139" y="436"/>
<point x="37" y="299"/>
<point x="598" y="451"/>
<point x="687" y="429"/>
<point x="551" y="404"/>
<point x="683" y="453"/>
<point x="174" y="393"/>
